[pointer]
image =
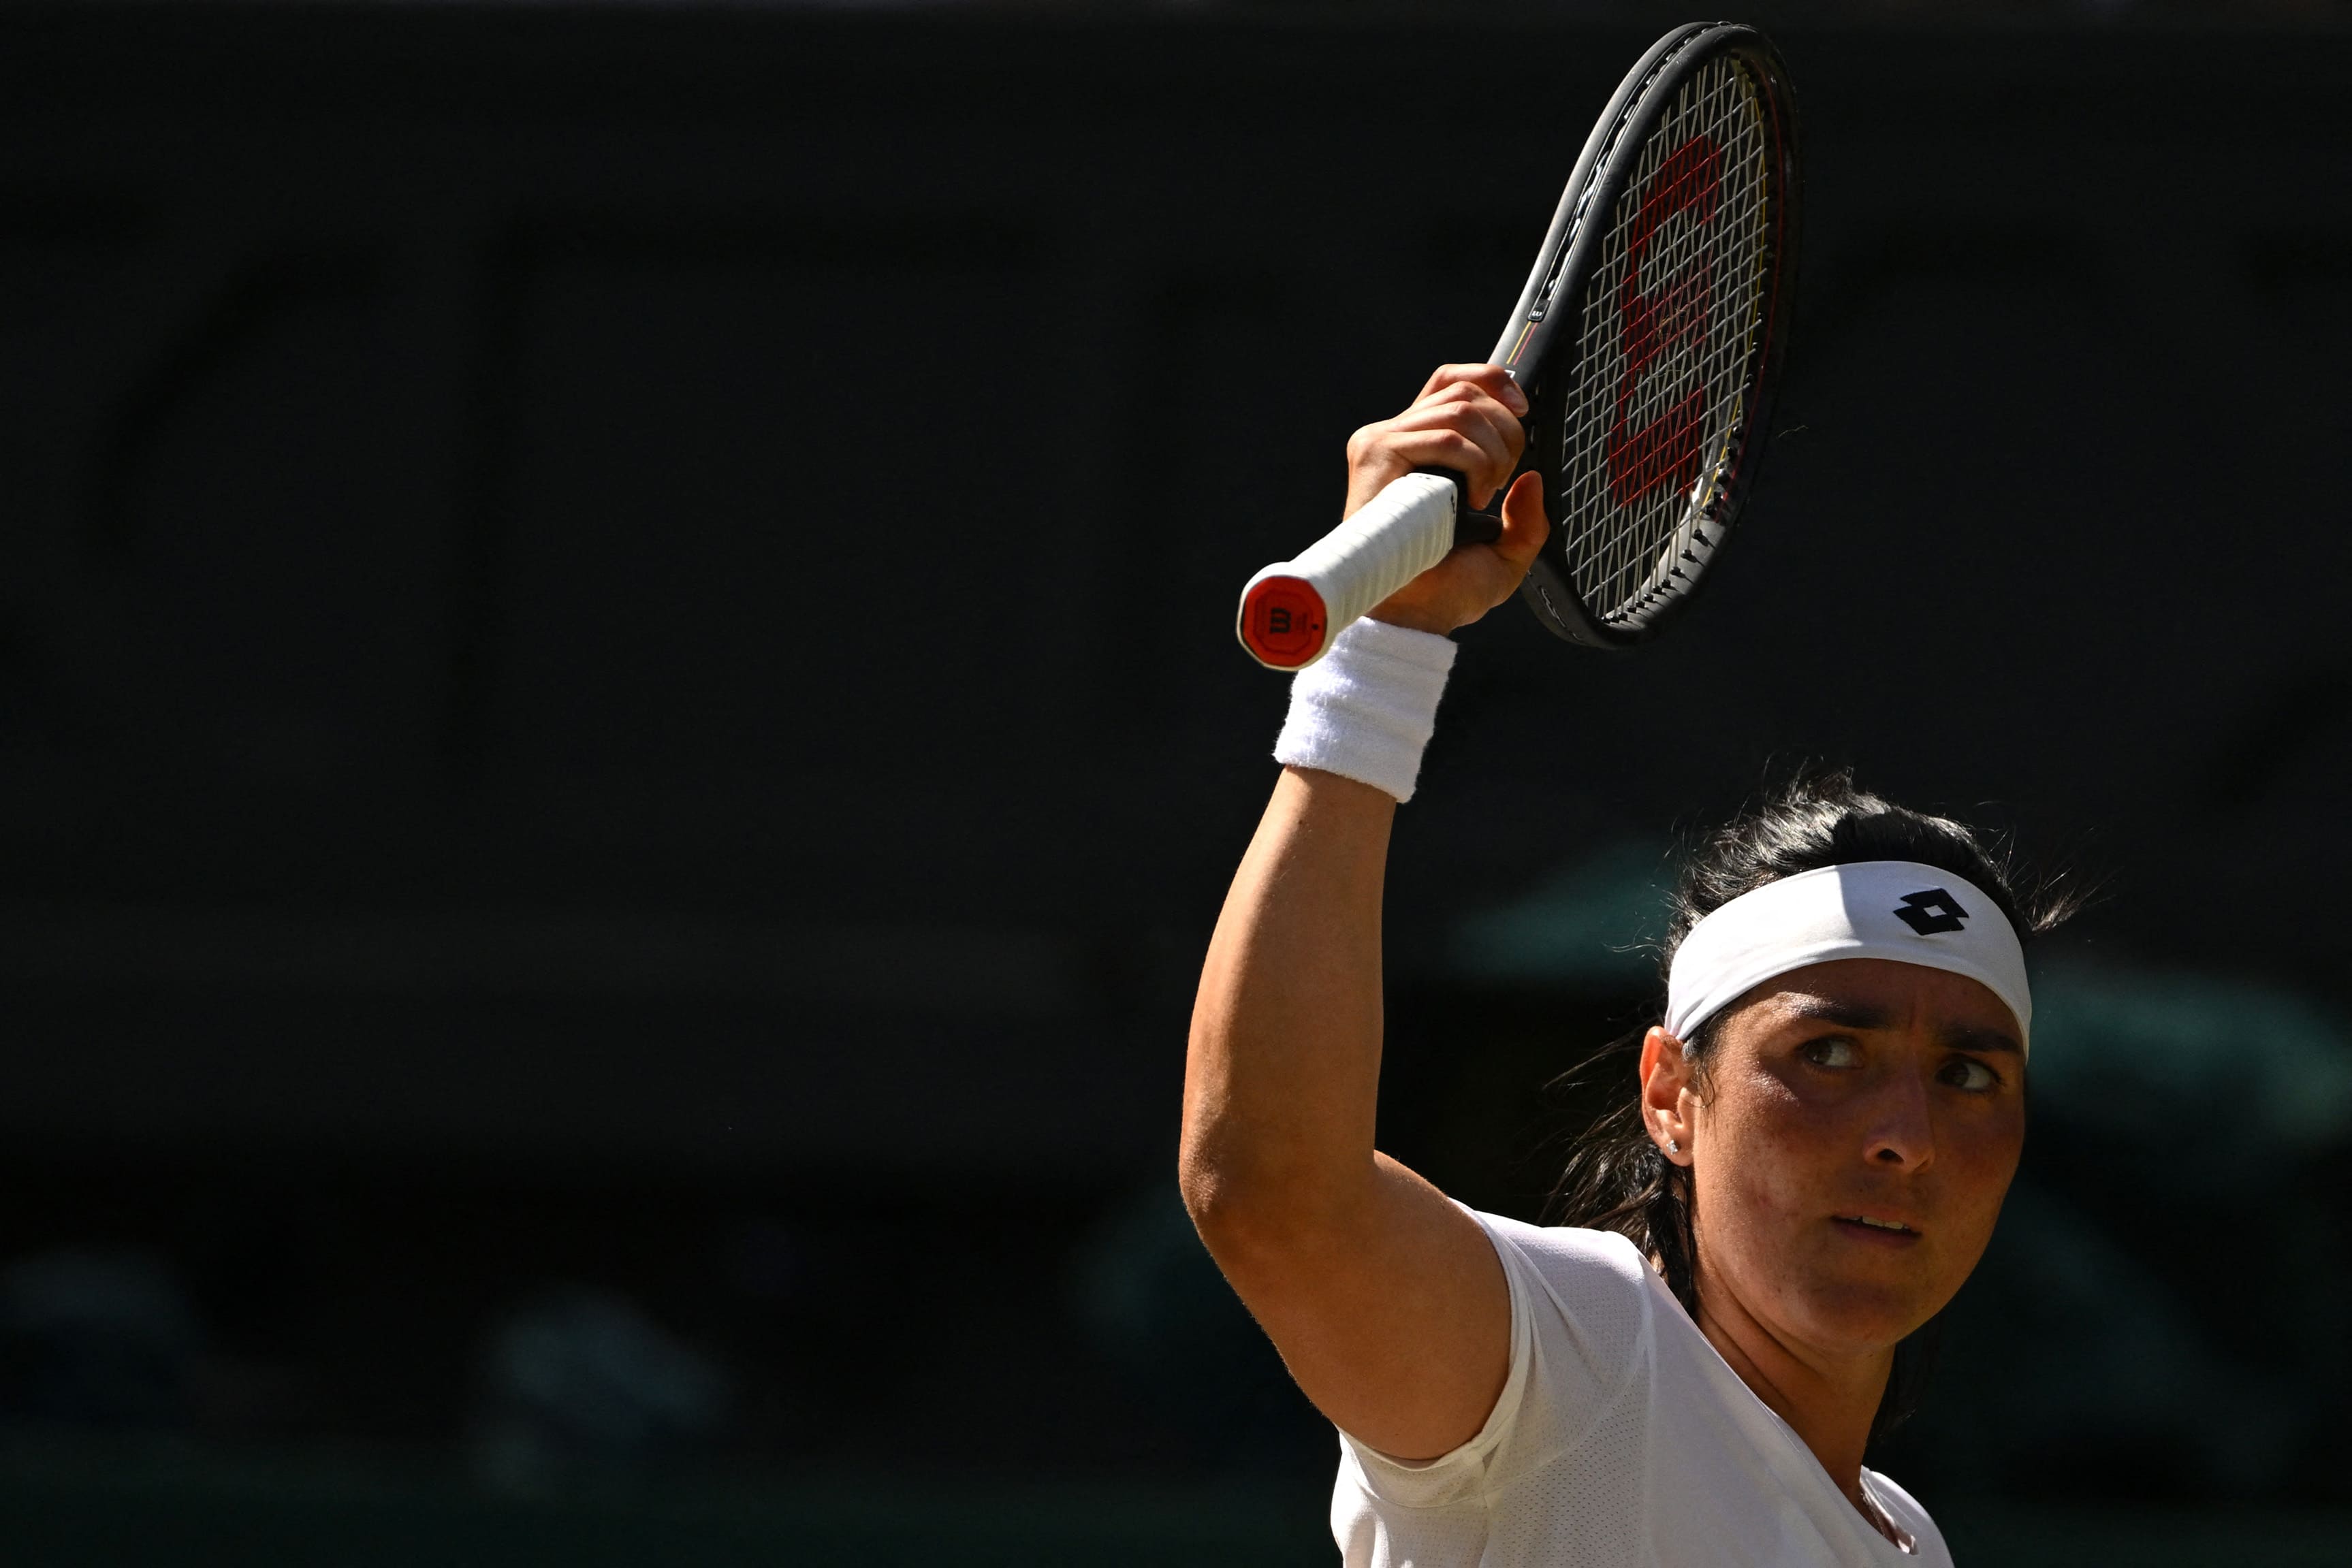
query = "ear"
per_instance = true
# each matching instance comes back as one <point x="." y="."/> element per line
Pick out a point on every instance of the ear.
<point x="1665" y="1083"/>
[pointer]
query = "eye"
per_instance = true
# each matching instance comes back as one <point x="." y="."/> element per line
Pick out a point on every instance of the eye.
<point x="1967" y="1072"/>
<point x="1832" y="1051"/>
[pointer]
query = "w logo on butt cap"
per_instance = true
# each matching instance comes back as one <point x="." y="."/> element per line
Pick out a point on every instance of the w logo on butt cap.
<point x="1932" y="912"/>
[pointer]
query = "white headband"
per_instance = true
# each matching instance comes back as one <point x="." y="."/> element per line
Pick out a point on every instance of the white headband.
<point x="1901" y="910"/>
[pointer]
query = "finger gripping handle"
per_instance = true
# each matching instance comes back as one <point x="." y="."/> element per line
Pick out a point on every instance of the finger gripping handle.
<point x="1291" y="610"/>
<point x="1472" y="526"/>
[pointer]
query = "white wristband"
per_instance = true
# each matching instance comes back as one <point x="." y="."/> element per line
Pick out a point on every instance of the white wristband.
<point x="1366" y="709"/>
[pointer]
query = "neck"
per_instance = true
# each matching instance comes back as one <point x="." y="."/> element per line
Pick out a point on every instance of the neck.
<point x="1828" y="1400"/>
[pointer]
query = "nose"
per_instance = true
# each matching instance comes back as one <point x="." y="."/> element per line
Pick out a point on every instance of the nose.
<point x="1900" y="1134"/>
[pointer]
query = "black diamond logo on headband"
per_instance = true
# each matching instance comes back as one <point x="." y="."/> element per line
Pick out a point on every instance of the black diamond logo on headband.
<point x="1931" y="911"/>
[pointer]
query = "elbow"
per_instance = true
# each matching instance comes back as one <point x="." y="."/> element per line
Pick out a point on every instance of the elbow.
<point x="1207" y="1194"/>
<point x="1226" y="1205"/>
<point x="1248" y="1210"/>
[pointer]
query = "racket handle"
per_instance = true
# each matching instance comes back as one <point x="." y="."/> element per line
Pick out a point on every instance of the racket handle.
<point x="1291" y="610"/>
<point x="1471" y="526"/>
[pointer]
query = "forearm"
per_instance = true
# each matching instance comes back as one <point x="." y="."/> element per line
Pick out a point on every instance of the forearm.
<point x="1282" y="1078"/>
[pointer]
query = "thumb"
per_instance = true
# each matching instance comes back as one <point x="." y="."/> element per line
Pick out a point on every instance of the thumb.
<point x="1525" y="527"/>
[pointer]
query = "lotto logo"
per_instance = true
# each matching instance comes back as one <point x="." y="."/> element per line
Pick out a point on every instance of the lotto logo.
<point x="1932" y="912"/>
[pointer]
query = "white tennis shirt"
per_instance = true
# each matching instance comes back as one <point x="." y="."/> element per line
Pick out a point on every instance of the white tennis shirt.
<point x="1621" y="1438"/>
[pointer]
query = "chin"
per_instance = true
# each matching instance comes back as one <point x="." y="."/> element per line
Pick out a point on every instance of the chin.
<point x="1864" y="1315"/>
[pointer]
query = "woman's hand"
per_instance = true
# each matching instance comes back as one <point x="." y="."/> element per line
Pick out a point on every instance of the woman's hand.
<point x="1467" y="419"/>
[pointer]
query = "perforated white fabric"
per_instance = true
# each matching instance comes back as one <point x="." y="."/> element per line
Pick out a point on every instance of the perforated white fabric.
<point x="1620" y="1438"/>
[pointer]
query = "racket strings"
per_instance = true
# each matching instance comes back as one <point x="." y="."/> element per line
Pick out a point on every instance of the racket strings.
<point x="1667" y="348"/>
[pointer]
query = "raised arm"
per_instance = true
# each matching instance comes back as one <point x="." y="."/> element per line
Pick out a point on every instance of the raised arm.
<point x="1386" y="1301"/>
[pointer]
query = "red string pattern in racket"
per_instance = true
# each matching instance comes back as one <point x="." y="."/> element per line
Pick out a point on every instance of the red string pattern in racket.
<point x="1667" y="348"/>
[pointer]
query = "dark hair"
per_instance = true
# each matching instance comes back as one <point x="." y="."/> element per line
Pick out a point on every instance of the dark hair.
<point x="1616" y="1179"/>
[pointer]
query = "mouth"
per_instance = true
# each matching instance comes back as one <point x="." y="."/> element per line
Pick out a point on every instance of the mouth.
<point x="1875" y="1229"/>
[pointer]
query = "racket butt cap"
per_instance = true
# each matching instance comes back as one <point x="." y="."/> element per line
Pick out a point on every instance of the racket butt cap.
<point x="1283" y="622"/>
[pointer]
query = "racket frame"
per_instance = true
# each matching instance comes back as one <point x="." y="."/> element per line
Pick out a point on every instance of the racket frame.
<point x="1571" y="252"/>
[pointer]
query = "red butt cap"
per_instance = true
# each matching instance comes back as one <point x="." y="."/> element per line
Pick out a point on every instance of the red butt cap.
<point x="1283" y="622"/>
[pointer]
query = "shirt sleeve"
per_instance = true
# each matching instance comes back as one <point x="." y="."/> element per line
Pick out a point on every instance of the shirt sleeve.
<point x="1580" y="1323"/>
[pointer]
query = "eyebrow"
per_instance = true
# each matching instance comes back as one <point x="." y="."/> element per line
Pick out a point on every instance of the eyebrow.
<point x="1860" y="1015"/>
<point x="1847" y="1014"/>
<point x="1982" y="1039"/>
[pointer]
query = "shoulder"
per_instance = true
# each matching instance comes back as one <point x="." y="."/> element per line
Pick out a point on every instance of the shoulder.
<point x="1588" y="1289"/>
<point x="1564" y="1257"/>
<point x="1580" y="1331"/>
<point x="1908" y="1514"/>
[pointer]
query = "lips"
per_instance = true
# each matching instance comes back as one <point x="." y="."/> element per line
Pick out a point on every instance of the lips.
<point x="1875" y="1228"/>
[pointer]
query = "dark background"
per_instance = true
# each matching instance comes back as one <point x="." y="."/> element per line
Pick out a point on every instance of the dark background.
<point x="619" y="735"/>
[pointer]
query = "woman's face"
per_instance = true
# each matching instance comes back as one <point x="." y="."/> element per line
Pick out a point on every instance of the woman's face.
<point x="1850" y="1140"/>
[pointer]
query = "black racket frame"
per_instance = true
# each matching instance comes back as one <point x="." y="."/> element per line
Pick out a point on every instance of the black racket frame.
<point x="1531" y="343"/>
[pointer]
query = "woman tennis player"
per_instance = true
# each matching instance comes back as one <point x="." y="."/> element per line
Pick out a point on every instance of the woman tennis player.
<point x="1811" y="1156"/>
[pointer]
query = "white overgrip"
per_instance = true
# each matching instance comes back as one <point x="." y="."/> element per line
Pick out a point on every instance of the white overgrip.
<point x="1396" y="536"/>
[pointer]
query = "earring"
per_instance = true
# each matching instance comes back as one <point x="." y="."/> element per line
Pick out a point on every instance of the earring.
<point x="1673" y="1147"/>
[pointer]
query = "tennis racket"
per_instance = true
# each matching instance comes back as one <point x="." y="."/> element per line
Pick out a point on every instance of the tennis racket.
<point x="1647" y="341"/>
